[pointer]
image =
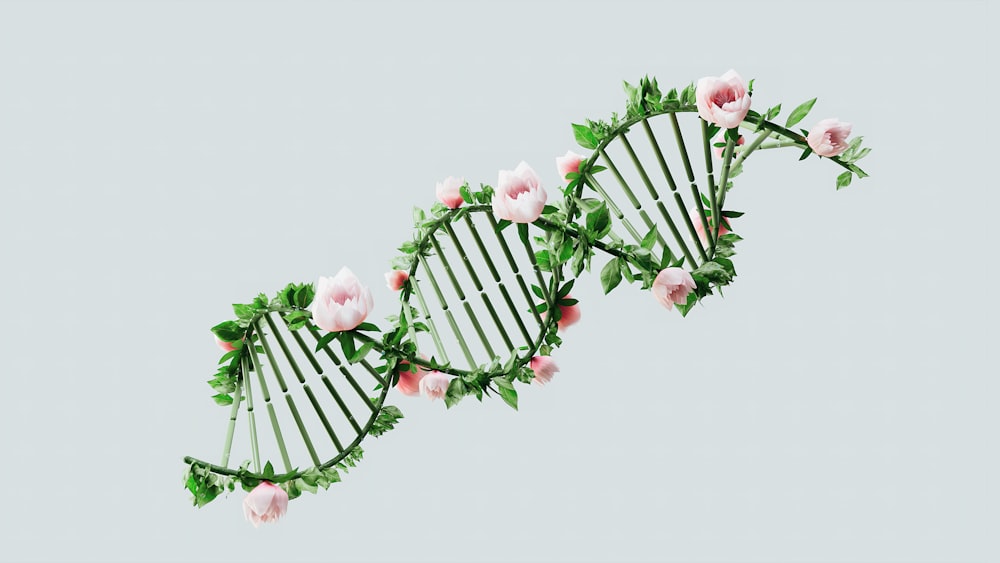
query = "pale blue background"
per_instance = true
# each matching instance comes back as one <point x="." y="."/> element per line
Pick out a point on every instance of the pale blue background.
<point x="160" y="160"/>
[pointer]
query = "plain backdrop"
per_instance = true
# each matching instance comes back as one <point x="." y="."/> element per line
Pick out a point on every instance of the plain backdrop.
<point x="162" y="160"/>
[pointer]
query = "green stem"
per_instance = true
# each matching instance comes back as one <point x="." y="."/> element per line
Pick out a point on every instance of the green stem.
<point x="592" y="182"/>
<point x="230" y="430"/>
<point x="713" y="197"/>
<point x="267" y="397"/>
<point x="254" y="447"/>
<point x="727" y="160"/>
<point x="448" y="315"/>
<point x="430" y="322"/>
<point x="343" y="370"/>
<point x="744" y="154"/>
<point x="513" y="266"/>
<point x="461" y="296"/>
<point x="685" y="214"/>
<point x="496" y="277"/>
<point x="695" y="192"/>
<point x="656" y="197"/>
<point x="635" y="202"/>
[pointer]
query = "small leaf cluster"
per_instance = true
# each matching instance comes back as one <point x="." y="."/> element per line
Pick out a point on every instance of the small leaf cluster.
<point x="205" y="485"/>
<point x="716" y="273"/>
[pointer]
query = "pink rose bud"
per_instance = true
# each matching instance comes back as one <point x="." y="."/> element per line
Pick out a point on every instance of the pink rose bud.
<point x="396" y="279"/>
<point x="449" y="191"/>
<point x="226" y="346"/>
<point x="672" y="285"/>
<point x="519" y="197"/>
<point x="570" y="314"/>
<point x="829" y="137"/>
<point x="700" y="229"/>
<point x="569" y="162"/>
<point x="544" y="368"/>
<point x="266" y="503"/>
<point x="409" y="382"/>
<point x="723" y="101"/>
<point x="719" y="151"/>
<point x="341" y="302"/>
<point x="434" y="385"/>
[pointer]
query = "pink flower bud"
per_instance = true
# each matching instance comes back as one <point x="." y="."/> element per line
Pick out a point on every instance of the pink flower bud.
<point x="341" y="302"/>
<point x="396" y="279"/>
<point x="719" y="151"/>
<point x="569" y="162"/>
<point x="519" y="197"/>
<point x="409" y="382"/>
<point x="672" y="285"/>
<point x="544" y="367"/>
<point x="434" y="385"/>
<point x="226" y="346"/>
<point x="265" y="503"/>
<point x="700" y="229"/>
<point x="449" y="191"/>
<point x="723" y="101"/>
<point x="569" y="314"/>
<point x="829" y="137"/>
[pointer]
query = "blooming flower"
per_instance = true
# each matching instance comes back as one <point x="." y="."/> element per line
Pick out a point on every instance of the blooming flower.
<point x="719" y="151"/>
<point x="569" y="162"/>
<point x="672" y="285"/>
<point x="723" y="101"/>
<point x="700" y="229"/>
<point x="519" y="196"/>
<point x="341" y="302"/>
<point x="396" y="279"/>
<point x="266" y="503"/>
<point x="449" y="191"/>
<point x="409" y="382"/>
<point x="829" y="137"/>
<point x="434" y="385"/>
<point x="544" y="367"/>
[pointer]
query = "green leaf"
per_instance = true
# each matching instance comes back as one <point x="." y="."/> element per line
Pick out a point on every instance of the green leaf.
<point x="773" y="112"/>
<point x="347" y="345"/>
<point x="456" y="390"/>
<point x="522" y="232"/>
<point x="367" y="326"/>
<point x="228" y="331"/>
<point x="537" y="291"/>
<point x="806" y="153"/>
<point x="799" y="113"/>
<point x="585" y="137"/>
<point x="564" y="291"/>
<point x="503" y="224"/>
<point x="611" y="275"/>
<point x="268" y="471"/>
<point x="222" y="399"/>
<point x="326" y="339"/>
<point x="464" y="192"/>
<point x="844" y="179"/>
<point x="649" y="240"/>
<point x="508" y="394"/>
<point x="243" y="312"/>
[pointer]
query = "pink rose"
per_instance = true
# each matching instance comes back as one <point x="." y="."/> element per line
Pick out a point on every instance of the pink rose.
<point x="226" y="346"/>
<point x="700" y="229"/>
<point x="396" y="279"/>
<point x="266" y="503"/>
<point x="519" y="196"/>
<point x="569" y="314"/>
<point x="449" y="191"/>
<point x="569" y="162"/>
<point x="829" y="137"/>
<point x="409" y="382"/>
<point x="723" y="101"/>
<point x="672" y="285"/>
<point x="434" y="385"/>
<point x="544" y="367"/>
<point x="719" y="151"/>
<point x="341" y="302"/>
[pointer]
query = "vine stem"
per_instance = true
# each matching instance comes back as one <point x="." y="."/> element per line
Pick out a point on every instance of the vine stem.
<point x="713" y="197"/>
<point x="754" y="145"/>
<point x="727" y="161"/>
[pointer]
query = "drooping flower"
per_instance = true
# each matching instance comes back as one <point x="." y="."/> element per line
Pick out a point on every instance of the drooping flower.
<point x="396" y="279"/>
<point x="568" y="314"/>
<point x="569" y="162"/>
<point x="723" y="101"/>
<point x="265" y="503"/>
<point x="519" y="197"/>
<point x="719" y="151"/>
<point x="434" y="385"/>
<point x="829" y="137"/>
<point x="226" y="346"/>
<point x="449" y="191"/>
<point x="341" y="302"/>
<point x="544" y="367"/>
<point x="672" y="285"/>
<point x="700" y="228"/>
<point x="409" y="382"/>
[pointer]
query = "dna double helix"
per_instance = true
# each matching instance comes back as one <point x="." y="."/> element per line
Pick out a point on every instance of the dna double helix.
<point x="484" y="289"/>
